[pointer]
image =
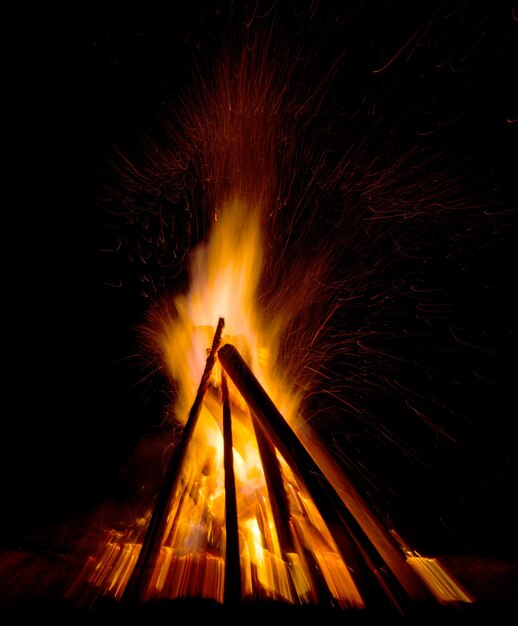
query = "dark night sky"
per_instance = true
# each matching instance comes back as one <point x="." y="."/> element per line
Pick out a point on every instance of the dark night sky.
<point x="74" y="409"/>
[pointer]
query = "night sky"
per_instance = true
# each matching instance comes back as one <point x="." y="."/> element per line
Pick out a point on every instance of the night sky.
<point x="77" y="403"/>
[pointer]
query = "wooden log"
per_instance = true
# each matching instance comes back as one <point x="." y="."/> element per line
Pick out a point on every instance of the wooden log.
<point x="233" y="589"/>
<point x="281" y="514"/>
<point x="138" y="582"/>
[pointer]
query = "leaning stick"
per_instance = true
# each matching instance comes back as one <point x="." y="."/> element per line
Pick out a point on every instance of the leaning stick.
<point x="135" y="590"/>
<point x="233" y="594"/>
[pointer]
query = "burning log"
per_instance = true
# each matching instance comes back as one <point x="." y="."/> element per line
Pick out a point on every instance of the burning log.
<point x="151" y="545"/>
<point x="281" y="512"/>
<point x="375" y="581"/>
<point x="278" y="498"/>
<point x="232" y="563"/>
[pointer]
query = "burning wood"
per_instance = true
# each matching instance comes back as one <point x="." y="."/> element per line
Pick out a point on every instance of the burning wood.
<point x="291" y="536"/>
<point x="232" y="564"/>
<point x="373" y="578"/>
<point x="151" y="546"/>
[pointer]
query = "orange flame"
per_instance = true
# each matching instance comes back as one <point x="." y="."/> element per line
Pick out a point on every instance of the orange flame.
<point x="225" y="278"/>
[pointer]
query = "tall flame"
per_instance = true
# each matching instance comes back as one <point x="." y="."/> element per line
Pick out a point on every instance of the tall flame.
<point x="225" y="279"/>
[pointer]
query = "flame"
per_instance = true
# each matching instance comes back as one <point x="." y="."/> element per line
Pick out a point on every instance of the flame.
<point x="225" y="277"/>
<point x="236" y="131"/>
<point x="224" y="283"/>
<point x="439" y="580"/>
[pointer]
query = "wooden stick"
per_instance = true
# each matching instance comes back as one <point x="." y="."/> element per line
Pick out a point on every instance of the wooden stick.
<point x="233" y="592"/>
<point x="275" y="485"/>
<point x="136" y="587"/>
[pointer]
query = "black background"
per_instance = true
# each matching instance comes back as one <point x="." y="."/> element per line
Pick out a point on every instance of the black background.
<point x="75" y="407"/>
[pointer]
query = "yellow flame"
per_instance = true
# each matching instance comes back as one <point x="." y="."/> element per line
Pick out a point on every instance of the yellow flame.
<point x="440" y="582"/>
<point x="225" y="277"/>
<point x="224" y="283"/>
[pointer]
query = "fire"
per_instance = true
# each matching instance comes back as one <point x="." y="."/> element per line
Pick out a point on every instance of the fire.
<point x="224" y="283"/>
<point x="225" y="278"/>
<point x="236" y="135"/>
<point x="286" y="550"/>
